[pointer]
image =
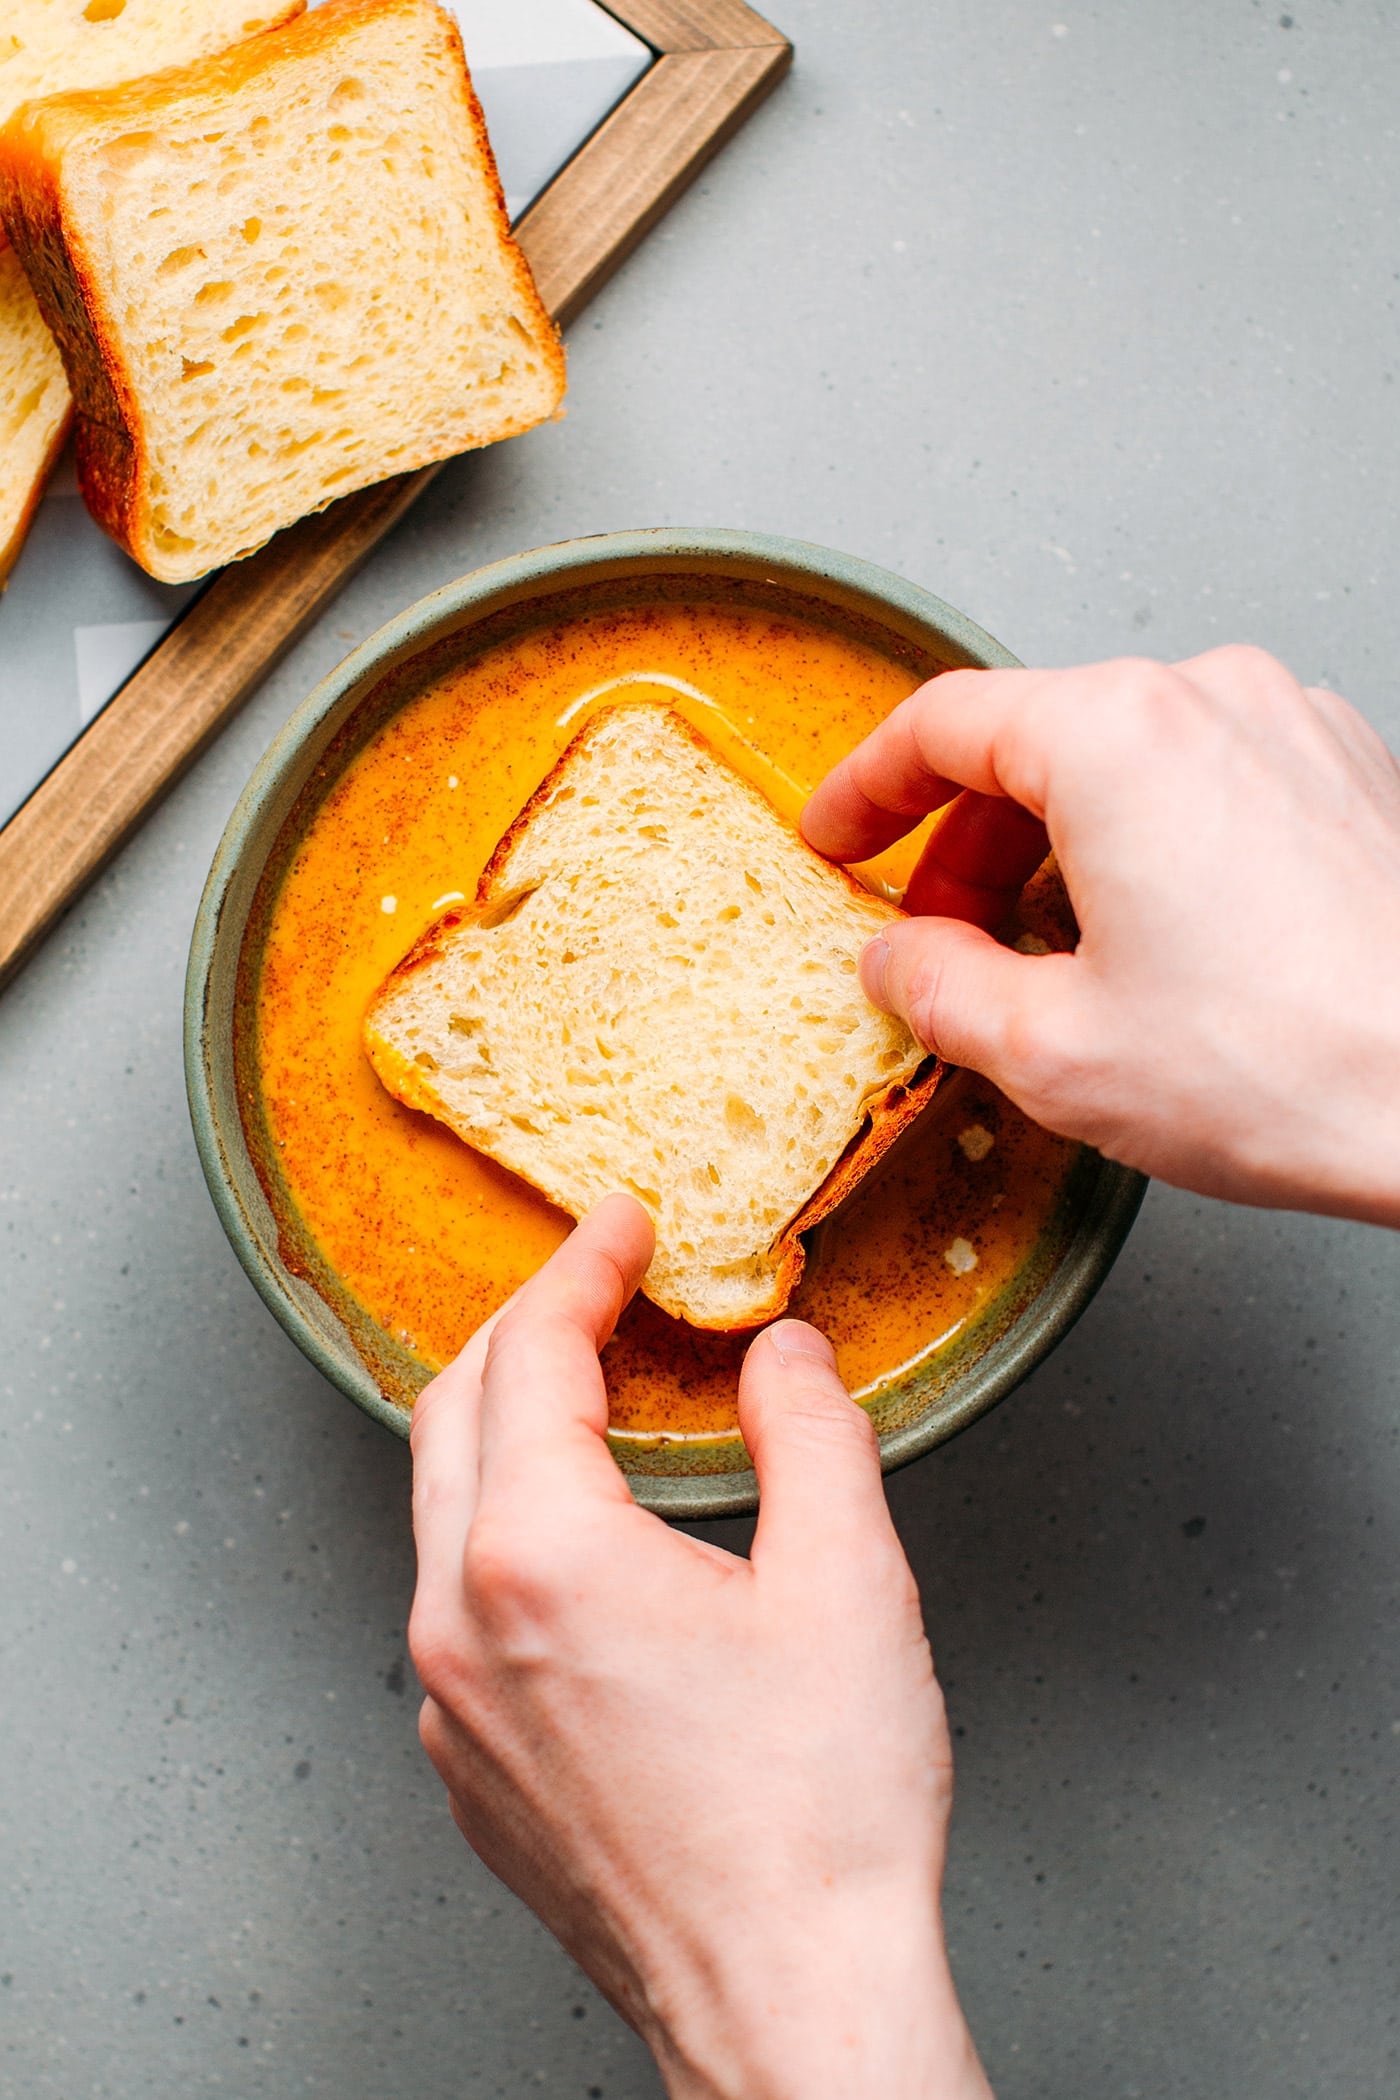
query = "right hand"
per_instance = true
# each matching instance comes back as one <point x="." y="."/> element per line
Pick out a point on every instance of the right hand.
<point x="1230" y="840"/>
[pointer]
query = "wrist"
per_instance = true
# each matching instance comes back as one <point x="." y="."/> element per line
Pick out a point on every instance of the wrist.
<point x="1339" y="1151"/>
<point x="881" y="2018"/>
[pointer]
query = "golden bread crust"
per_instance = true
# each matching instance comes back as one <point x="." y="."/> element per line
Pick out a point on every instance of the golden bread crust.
<point x="68" y="293"/>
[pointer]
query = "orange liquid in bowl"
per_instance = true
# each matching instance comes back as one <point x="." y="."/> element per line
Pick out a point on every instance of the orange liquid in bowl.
<point x="429" y="1236"/>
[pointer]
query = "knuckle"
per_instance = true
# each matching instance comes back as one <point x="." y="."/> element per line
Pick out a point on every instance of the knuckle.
<point x="423" y="1407"/>
<point x="432" y="1731"/>
<point x="508" y="1335"/>
<point x="1148" y="700"/>
<point x="437" y="1653"/>
<point x="829" y="1418"/>
<point x="928" y="1005"/>
<point x="1054" y="1058"/>
<point x="1247" y="665"/>
<point x="516" y="1575"/>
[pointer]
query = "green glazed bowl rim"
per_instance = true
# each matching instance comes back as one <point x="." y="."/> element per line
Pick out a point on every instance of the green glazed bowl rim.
<point x="1112" y="1203"/>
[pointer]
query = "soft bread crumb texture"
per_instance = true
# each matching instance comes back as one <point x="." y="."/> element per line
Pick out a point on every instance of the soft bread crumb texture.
<point x="35" y="407"/>
<point x="656" y="992"/>
<point x="297" y="278"/>
<point x="50" y="47"/>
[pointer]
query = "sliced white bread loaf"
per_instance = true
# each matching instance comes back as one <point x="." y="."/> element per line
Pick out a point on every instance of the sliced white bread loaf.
<point x="656" y="991"/>
<point x="35" y="407"/>
<point x="48" y="46"/>
<point x="276" y="276"/>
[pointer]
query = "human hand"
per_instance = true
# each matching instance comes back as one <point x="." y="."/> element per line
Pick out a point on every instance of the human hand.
<point x="724" y="1784"/>
<point x="1230" y="842"/>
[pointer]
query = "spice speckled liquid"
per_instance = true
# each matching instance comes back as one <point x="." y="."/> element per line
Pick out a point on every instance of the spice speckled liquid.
<point x="430" y="1236"/>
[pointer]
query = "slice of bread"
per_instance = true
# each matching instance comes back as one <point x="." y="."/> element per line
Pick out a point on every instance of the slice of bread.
<point x="276" y="276"/>
<point x="47" y="46"/>
<point x="35" y="408"/>
<point x="656" y="992"/>
<point x="50" y="47"/>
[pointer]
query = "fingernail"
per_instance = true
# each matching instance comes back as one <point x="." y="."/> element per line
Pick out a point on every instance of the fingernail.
<point x="874" y="957"/>
<point x="796" y="1342"/>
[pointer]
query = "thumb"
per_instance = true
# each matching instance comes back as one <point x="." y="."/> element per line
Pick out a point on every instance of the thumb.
<point x="815" y="1452"/>
<point x="973" y="1001"/>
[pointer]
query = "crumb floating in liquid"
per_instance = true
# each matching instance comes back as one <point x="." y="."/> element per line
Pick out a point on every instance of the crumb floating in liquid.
<point x="961" y="1257"/>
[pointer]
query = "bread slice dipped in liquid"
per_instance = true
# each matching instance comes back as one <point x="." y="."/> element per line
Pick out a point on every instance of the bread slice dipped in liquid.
<point x="656" y="991"/>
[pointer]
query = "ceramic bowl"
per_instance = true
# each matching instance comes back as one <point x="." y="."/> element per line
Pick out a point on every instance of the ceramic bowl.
<point x="927" y="1404"/>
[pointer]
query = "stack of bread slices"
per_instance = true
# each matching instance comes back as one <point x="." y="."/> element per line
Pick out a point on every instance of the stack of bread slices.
<point x="267" y="275"/>
<point x="48" y="46"/>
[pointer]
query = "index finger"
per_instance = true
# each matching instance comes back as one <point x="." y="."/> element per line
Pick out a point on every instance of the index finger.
<point x="544" y="1406"/>
<point x="964" y="729"/>
<point x="445" y="1439"/>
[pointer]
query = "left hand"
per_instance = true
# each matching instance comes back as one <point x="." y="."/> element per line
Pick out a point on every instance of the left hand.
<point x="724" y="1784"/>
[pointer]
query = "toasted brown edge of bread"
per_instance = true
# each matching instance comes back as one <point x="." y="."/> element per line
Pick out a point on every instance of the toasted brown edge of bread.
<point x="62" y="287"/>
<point x="888" y="1115"/>
<point x="111" y="443"/>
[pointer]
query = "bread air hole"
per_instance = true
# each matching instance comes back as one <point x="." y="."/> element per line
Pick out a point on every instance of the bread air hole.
<point x="131" y="146"/>
<point x="741" y="1119"/>
<point x="25" y="407"/>
<point x="103" y="10"/>
<point x="177" y="260"/>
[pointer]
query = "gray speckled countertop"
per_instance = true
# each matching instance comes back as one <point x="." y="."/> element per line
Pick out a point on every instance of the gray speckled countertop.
<point x="1087" y="320"/>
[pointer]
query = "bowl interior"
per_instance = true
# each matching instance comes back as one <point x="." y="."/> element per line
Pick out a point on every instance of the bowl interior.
<point x="917" y="1409"/>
